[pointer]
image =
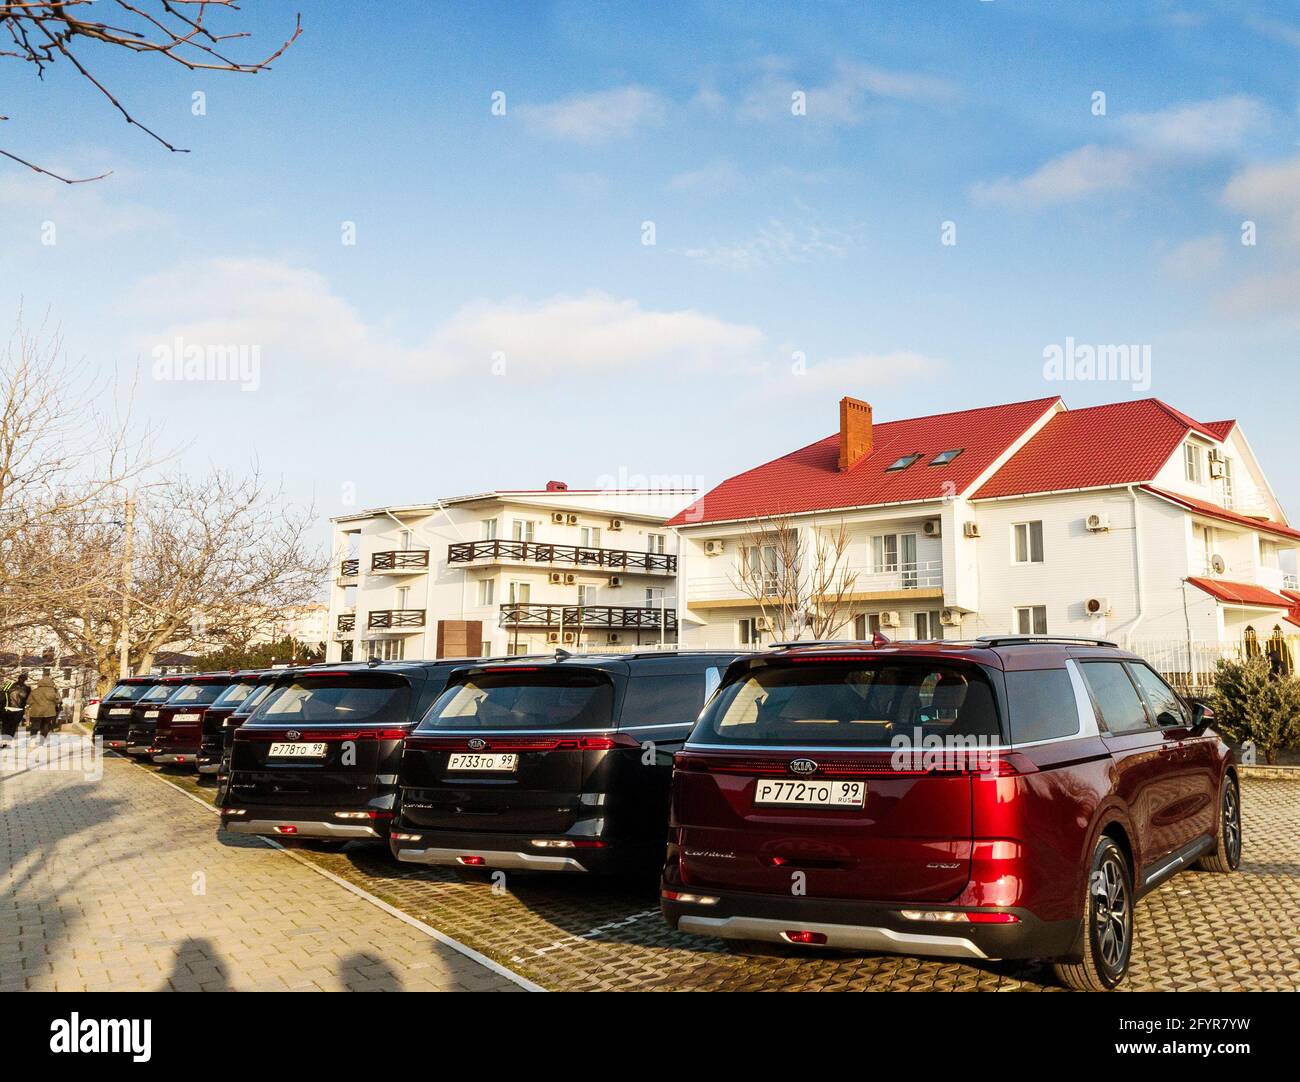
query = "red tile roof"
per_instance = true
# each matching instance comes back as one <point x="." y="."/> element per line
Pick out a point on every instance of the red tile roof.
<point x="1213" y="510"/>
<point x="1241" y="593"/>
<point x="1121" y="443"/>
<point x="809" y="479"/>
<point x="1221" y="428"/>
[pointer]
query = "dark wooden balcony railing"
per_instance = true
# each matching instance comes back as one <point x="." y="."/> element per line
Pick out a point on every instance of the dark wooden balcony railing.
<point x="400" y="560"/>
<point x="575" y="616"/>
<point x="381" y="619"/>
<point x="348" y="568"/>
<point x="347" y="621"/>
<point x="463" y="552"/>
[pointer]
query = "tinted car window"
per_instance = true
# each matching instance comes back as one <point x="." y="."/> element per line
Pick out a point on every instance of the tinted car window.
<point x="662" y="700"/>
<point x="353" y="699"/>
<point x="126" y="693"/>
<point x="522" y="699"/>
<point x="159" y="693"/>
<point x="1164" y="703"/>
<point x="254" y="699"/>
<point x="854" y="703"/>
<point x="234" y="695"/>
<point x="1121" y="707"/>
<point x="196" y="694"/>
<point x="1041" y="704"/>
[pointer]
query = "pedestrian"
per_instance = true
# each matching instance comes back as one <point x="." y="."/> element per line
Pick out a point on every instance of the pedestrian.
<point x="13" y="702"/>
<point x="42" y="708"/>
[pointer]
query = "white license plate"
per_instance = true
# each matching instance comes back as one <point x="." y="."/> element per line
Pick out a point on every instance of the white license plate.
<point x="821" y="794"/>
<point x="186" y="717"/>
<point x="150" y="714"/>
<point x="298" y="751"/>
<point x="473" y="761"/>
<point x="120" y="713"/>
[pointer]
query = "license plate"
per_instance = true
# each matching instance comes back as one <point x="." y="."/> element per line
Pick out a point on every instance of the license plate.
<point x="186" y="717"/>
<point x="820" y="794"/>
<point x="150" y="714"/>
<point x="120" y="713"/>
<point x="471" y="761"/>
<point x="298" y="751"/>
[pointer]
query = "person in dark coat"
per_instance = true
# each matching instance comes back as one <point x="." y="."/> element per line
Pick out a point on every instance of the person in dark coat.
<point x="42" y="708"/>
<point x="15" y="694"/>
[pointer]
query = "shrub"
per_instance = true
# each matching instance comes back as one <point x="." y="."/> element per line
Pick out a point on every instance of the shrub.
<point x="1251" y="704"/>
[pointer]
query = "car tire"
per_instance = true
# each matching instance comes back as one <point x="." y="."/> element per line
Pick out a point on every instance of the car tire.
<point x="1107" y="928"/>
<point x="1226" y="856"/>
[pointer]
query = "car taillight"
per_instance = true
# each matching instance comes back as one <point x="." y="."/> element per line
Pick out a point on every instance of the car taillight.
<point x="567" y="843"/>
<point x="686" y="898"/>
<point x="473" y="862"/>
<point x="363" y="815"/>
<point x="814" y="938"/>
<point x="957" y="916"/>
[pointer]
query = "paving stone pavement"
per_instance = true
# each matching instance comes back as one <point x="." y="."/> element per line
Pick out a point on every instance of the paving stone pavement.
<point x="121" y="883"/>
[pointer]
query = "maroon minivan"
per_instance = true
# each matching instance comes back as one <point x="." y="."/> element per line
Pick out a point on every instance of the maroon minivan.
<point x="179" y="730"/>
<point x="1004" y="798"/>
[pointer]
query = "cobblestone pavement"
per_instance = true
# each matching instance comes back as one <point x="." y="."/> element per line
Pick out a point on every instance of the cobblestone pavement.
<point x="1199" y="930"/>
<point x="122" y="883"/>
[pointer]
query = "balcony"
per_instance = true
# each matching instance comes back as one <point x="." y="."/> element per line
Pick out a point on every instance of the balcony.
<point x="349" y="569"/>
<point x="347" y="623"/>
<point x="400" y="562"/>
<point x="615" y="617"/>
<point x="395" y="619"/>
<point x="520" y="552"/>
<point x="923" y="578"/>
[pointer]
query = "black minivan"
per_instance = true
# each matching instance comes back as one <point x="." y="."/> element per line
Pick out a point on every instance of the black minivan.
<point x="143" y="723"/>
<point x="561" y="764"/>
<point x="113" y="721"/>
<point x="318" y="756"/>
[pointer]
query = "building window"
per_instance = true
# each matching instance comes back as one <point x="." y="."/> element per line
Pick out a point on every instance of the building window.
<point x="654" y="596"/>
<point x="489" y="529"/>
<point x="1031" y="620"/>
<point x="944" y="457"/>
<point x="1028" y="542"/>
<point x="485" y="648"/>
<point x="1226" y="466"/>
<point x="866" y="625"/>
<point x="763" y="564"/>
<point x="345" y="652"/>
<point x="405" y="538"/>
<point x="523" y="529"/>
<point x="589" y="537"/>
<point x="747" y="633"/>
<point x="388" y="649"/>
<point x="901" y="463"/>
<point x="520" y="593"/>
<point x="1192" y="462"/>
<point x="927" y="625"/>
<point x="486" y="591"/>
<point x="586" y="594"/>
<point x="403" y="594"/>
<point x="655" y="542"/>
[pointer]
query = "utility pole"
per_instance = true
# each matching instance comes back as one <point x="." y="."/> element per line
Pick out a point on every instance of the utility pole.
<point x="128" y="556"/>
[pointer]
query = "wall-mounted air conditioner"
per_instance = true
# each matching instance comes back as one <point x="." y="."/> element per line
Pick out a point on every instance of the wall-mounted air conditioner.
<point x="616" y="524"/>
<point x="764" y="623"/>
<point x="1098" y="522"/>
<point x="970" y="529"/>
<point x="572" y="520"/>
<point x="570" y="579"/>
<point x="931" y="527"/>
<point x="552" y="636"/>
<point x="891" y="619"/>
<point x="616" y="580"/>
<point x="714" y="547"/>
<point x="556" y="578"/>
<point x="558" y="518"/>
<point x="1097" y="606"/>
<point x="950" y="617"/>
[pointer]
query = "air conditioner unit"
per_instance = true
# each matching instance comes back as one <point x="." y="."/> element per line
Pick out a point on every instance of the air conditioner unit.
<point x="612" y="638"/>
<point x="569" y="636"/>
<point x="1097" y="523"/>
<point x="970" y="529"/>
<point x="931" y="527"/>
<point x="558" y="518"/>
<point x="616" y="580"/>
<point x="950" y="617"/>
<point x="1097" y="606"/>
<point x="556" y="578"/>
<point x="763" y="623"/>
<point x="616" y="524"/>
<point x="1217" y="467"/>
<point x="890" y="619"/>
<point x="1218" y="564"/>
<point x="714" y="547"/>
<point x="552" y="636"/>
<point x="572" y="520"/>
<point x="569" y="580"/>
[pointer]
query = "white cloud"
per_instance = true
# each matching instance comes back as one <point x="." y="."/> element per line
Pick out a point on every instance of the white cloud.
<point x="853" y="374"/>
<point x="1078" y="174"/>
<point x="1276" y="29"/>
<point x="1271" y="294"/>
<point x="90" y="212"/>
<point x="1196" y="258"/>
<point x="294" y="317"/>
<point x="597" y="117"/>
<point x="717" y="176"/>
<point x="842" y="99"/>
<point x="776" y="243"/>
<point x="1270" y="192"/>
<point x="1150" y="142"/>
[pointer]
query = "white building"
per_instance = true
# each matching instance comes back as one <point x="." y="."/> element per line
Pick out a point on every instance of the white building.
<point x="506" y="572"/>
<point x="1128" y="521"/>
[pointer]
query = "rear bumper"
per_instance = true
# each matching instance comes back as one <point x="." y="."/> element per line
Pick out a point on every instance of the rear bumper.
<point x="412" y="853"/>
<point x="175" y="758"/>
<point x="301" y="828"/>
<point x="849" y="925"/>
<point x="209" y="768"/>
<point x="514" y="852"/>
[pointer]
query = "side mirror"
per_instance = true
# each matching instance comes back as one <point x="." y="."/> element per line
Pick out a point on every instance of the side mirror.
<point x="1202" y="716"/>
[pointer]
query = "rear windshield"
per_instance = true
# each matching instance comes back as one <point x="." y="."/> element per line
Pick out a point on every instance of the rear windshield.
<point x="126" y="693"/>
<point x="351" y="699"/>
<point x="234" y="694"/>
<point x="258" y="693"/>
<point x="159" y="693"/>
<point x="543" y="699"/>
<point x="826" y="703"/>
<point x="196" y="694"/>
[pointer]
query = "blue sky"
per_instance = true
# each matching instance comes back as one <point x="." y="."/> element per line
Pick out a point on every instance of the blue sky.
<point x="500" y="321"/>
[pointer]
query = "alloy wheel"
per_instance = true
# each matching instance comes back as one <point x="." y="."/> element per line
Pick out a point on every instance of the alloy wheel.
<point x="1110" y="906"/>
<point x="1231" y="824"/>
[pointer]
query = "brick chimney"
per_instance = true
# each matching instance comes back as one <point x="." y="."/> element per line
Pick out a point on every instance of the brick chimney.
<point x="855" y="432"/>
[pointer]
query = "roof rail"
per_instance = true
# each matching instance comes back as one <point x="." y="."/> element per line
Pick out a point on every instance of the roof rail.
<point x="1029" y="640"/>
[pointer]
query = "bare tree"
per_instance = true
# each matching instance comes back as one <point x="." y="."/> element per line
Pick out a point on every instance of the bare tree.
<point x="42" y="32"/>
<point x="215" y="562"/>
<point x="799" y="576"/>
